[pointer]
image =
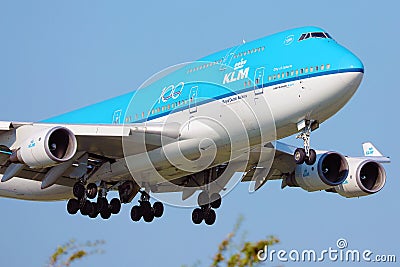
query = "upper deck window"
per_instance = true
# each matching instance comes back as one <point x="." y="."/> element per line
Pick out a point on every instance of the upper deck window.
<point x="314" y="35"/>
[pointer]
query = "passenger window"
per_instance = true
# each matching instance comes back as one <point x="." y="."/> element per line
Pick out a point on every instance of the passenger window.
<point x="328" y="66"/>
<point x="306" y="70"/>
<point x="311" y="69"/>
<point x="301" y="71"/>
<point x="316" y="68"/>
<point x="322" y="67"/>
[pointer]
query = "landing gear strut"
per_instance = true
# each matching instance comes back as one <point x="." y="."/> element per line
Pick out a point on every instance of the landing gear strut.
<point x="145" y="210"/>
<point x="207" y="205"/>
<point x="306" y="154"/>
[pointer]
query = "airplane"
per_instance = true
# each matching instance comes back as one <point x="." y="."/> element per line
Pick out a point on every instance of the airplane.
<point x="192" y="127"/>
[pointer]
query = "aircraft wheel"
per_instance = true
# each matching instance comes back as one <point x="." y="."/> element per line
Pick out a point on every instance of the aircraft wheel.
<point x="210" y="217"/>
<point x="86" y="208"/>
<point x="73" y="206"/>
<point x="78" y="190"/>
<point x="197" y="216"/>
<point x="203" y="199"/>
<point x="312" y="158"/>
<point x="95" y="210"/>
<point x="299" y="155"/>
<point x="148" y="216"/>
<point x="115" y="205"/>
<point x="215" y="200"/>
<point x="136" y="213"/>
<point x="146" y="207"/>
<point x="102" y="204"/>
<point x="105" y="214"/>
<point x="91" y="190"/>
<point x="158" y="209"/>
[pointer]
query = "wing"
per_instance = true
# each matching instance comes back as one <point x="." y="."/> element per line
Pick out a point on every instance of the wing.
<point x="96" y="146"/>
<point x="269" y="162"/>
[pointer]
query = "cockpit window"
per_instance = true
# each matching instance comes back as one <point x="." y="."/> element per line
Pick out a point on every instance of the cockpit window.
<point x="308" y="35"/>
<point x="318" y="35"/>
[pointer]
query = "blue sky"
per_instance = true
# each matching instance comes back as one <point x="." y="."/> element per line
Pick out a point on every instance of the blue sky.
<point x="56" y="56"/>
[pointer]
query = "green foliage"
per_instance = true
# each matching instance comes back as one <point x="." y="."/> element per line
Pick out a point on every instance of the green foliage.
<point x="245" y="254"/>
<point x="70" y="252"/>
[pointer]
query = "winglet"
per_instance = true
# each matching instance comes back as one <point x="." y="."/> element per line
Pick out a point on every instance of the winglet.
<point x="370" y="150"/>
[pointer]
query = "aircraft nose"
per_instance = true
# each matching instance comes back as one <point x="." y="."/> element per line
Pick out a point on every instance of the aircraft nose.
<point x="350" y="62"/>
<point x="353" y="68"/>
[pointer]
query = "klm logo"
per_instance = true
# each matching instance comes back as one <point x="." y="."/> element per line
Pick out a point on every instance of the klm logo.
<point x="370" y="151"/>
<point x="236" y="75"/>
<point x="32" y="144"/>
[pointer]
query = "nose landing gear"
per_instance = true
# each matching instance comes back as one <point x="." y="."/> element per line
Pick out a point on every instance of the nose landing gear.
<point x="306" y="154"/>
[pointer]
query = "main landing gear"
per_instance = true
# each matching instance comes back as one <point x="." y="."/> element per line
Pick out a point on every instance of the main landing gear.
<point x="306" y="154"/>
<point x="207" y="205"/>
<point x="145" y="210"/>
<point x="92" y="209"/>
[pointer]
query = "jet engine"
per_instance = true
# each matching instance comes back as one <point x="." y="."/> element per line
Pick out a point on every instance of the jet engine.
<point x="330" y="169"/>
<point x="366" y="177"/>
<point x="46" y="148"/>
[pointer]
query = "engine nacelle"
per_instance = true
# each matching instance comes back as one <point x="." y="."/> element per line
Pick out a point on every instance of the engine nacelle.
<point x="330" y="169"/>
<point x="366" y="177"/>
<point x="46" y="148"/>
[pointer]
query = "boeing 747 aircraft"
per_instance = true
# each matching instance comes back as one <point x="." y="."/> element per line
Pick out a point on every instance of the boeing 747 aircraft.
<point x="189" y="129"/>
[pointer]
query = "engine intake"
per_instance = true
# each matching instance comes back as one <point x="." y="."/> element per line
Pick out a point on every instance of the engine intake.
<point x="46" y="148"/>
<point x="366" y="177"/>
<point x="329" y="170"/>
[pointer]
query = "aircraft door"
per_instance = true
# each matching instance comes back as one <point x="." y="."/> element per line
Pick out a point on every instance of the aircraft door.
<point x="259" y="80"/>
<point x="193" y="99"/>
<point x="117" y="116"/>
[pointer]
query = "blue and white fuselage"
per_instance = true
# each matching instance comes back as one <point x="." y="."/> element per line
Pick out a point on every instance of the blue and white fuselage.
<point x="240" y="97"/>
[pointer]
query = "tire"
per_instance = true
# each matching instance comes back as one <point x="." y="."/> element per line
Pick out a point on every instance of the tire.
<point x="312" y="158"/>
<point x="115" y="205"/>
<point x="215" y="200"/>
<point x="102" y="204"/>
<point x="136" y="213"/>
<point x="146" y="207"/>
<point x="91" y="190"/>
<point x="72" y="206"/>
<point x="78" y="190"/>
<point x="197" y="216"/>
<point x="148" y="216"/>
<point x="210" y="217"/>
<point x="86" y="208"/>
<point x="105" y="214"/>
<point x="299" y="155"/>
<point x="95" y="211"/>
<point x="203" y="199"/>
<point x="158" y="209"/>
